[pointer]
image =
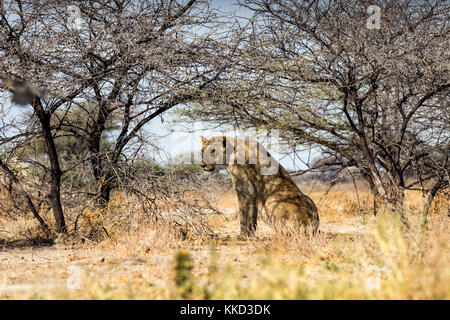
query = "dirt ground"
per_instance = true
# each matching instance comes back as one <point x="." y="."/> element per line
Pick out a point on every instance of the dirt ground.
<point x="30" y="271"/>
<point x="345" y="250"/>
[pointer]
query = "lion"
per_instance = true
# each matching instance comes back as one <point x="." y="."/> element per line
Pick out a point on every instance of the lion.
<point x="262" y="185"/>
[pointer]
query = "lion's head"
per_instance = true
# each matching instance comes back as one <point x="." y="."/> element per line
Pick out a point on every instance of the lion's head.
<point x="213" y="151"/>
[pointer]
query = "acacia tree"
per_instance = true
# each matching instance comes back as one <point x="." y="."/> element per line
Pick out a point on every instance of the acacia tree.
<point x="152" y="56"/>
<point x="371" y="98"/>
<point x="86" y="67"/>
<point x="24" y="56"/>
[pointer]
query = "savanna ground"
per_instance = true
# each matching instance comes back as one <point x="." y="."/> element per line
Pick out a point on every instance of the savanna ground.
<point x="355" y="256"/>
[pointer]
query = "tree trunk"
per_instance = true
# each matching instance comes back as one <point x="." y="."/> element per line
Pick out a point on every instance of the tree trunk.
<point x="105" y="192"/>
<point x="55" y="169"/>
<point x="101" y="175"/>
<point x="398" y="199"/>
<point x="427" y="205"/>
<point x="366" y="175"/>
<point x="394" y="199"/>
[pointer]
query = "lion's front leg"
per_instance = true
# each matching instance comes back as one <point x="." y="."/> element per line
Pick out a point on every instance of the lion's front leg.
<point x="249" y="214"/>
<point x="244" y="185"/>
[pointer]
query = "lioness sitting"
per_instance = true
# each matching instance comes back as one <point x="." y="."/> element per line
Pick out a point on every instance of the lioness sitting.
<point x="262" y="185"/>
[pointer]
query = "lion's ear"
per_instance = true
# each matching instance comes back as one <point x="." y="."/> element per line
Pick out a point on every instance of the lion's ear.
<point x="202" y="139"/>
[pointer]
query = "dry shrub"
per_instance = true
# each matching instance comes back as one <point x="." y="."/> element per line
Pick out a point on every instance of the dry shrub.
<point x="147" y="195"/>
<point x="341" y="202"/>
<point x="177" y="199"/>
<point x="23" y="229"/>
<point x="441" y="203"/>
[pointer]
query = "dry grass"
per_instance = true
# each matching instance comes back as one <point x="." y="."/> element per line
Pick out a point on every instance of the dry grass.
<point x="353" y="257"/>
